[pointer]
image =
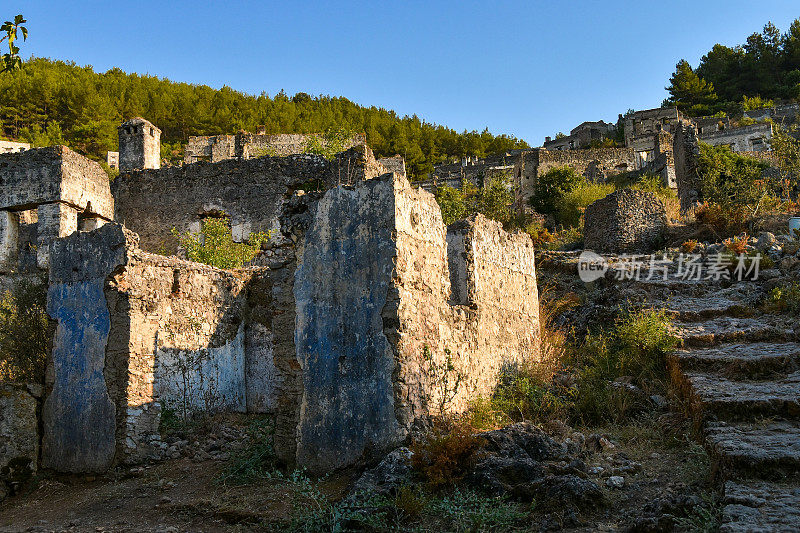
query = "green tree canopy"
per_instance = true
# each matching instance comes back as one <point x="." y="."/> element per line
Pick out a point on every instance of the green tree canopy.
<point x="688" y="90"/>
<point x="87" y="106"/>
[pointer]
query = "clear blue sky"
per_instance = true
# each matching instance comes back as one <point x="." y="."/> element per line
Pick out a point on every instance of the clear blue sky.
<point x="528" y="69"/>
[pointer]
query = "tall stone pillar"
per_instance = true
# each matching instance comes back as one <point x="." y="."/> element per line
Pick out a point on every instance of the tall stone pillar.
<point x="56" y="220"/>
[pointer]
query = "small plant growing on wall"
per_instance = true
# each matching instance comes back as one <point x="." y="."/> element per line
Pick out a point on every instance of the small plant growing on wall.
<point x="214" y="245"/>
<point x="444" y="379"/>
<point x="23" y="332"/>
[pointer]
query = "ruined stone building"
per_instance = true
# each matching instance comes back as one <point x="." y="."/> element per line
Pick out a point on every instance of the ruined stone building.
<point x="328" y="329"/>
<point x="581" y="136"/>
<point x="245" y="145"/>
<point x="752" y="138"/>
<point x="597" y="164"/>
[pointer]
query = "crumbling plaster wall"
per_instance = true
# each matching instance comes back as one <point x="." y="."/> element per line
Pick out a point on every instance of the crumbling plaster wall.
<point x="372" y="290"/>
<point x="138" y="333"/>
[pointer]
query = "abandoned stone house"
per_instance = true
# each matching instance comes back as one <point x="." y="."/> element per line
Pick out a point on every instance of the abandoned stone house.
<point x="474" y="170"/>
<point x="581" y="136"/>
<point x="328" y="329"/>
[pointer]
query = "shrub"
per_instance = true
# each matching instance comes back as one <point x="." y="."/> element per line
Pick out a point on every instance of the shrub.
<point x="737" y="245"/>
<point x="732" y="180"/>
<point x="494" y="200"/>
<point x="552" y="186"/>
<point x="721" y="219"/>
<point x="215" y="246"/>
<point x="24" y="332"/>
<point x="784" y="299"/>
<point x="572" y="204"/>
<point x="636" y="347"/>
<point x="538" y="233"/>
<point x="257" y="460"/>
<point x="333" y="141"/>
<point x="689" y="246"/>
<point x="442" y="456"/>
<point x="654" y="184"/>
<point x="466" y="510"/>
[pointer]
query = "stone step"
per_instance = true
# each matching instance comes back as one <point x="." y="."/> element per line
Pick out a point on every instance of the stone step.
<point x="765" y="449"/>
<point x="742" y="360"/>
<point x="693" y="309"/>
<point x="760" y="506"/>
<point x="730" y="329"/>
<point x="712" y="396"/>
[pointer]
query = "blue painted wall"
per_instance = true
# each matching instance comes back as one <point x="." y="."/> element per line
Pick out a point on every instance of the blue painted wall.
<point x="340" y="288"/>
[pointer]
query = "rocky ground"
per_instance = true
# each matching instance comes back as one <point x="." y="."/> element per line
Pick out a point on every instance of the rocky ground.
<point x="738" y="374"/>
<point x="596" y="479"/>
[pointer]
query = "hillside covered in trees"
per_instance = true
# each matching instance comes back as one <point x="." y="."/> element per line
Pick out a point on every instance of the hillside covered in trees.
<point x="767" y="66"/>
<point x="48" y="102"/>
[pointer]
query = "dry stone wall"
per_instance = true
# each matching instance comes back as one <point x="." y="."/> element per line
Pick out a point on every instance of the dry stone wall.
<point x="625" y="221"/>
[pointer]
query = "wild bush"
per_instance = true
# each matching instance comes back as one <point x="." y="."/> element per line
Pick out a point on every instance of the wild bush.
<point x="494" y="200"/>
<point x="255" y="462"/>
<point x="442" y="456"/>
<point x="572" y="204"/>
<point x="733" y="181"/>
<point x="24" y="332"/>
<point x="635" y="349"/>
<point x="785" y="299"/>
<point x="215" y="246"/>
<point x="552" y="186"/>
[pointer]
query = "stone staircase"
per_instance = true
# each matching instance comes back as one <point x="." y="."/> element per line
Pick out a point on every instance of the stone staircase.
<point x="739" y="373"/>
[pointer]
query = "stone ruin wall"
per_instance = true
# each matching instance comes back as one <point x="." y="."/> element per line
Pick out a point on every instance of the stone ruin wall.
<point x="597" y="164"/>
<point x="251" y="192"/>
<point x="752" y="138"/>
<point x="20" y="405"/>
<point x="248" y="145"/>
<point x="363" y="322"/>
<point x="625" y="221"/>
<point x="686" y="152"/>
<point x="138" y="333"/>
<point x="330" y="336"/>
<point x="47" y="193"/>
<point x="357" y="281"/>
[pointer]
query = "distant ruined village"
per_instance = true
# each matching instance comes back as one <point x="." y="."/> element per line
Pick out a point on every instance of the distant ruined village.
<point x="340" y="326"/>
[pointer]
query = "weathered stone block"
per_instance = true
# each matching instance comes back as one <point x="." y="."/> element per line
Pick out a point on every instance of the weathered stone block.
<point x="625" y="221"/>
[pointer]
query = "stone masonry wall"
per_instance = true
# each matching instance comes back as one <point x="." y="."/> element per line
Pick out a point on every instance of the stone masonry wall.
<point x="372" y="289"/>
<point x="686" y="152"/>
<point x="595" y="164"/>
<point x="19" y="435"/>
<point x="251" y="192"/>
<point x="138" y="333"/>
<point x="246" y="145"/>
